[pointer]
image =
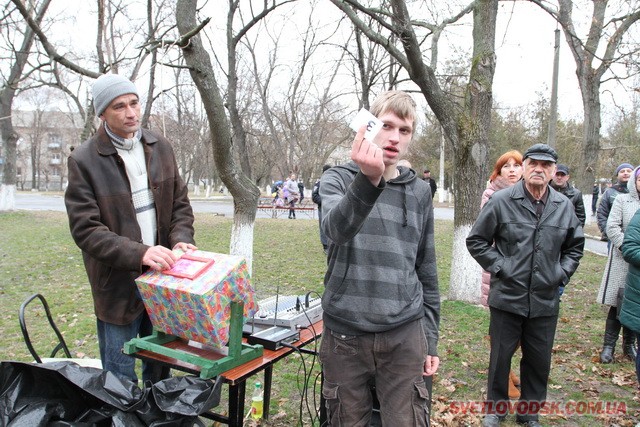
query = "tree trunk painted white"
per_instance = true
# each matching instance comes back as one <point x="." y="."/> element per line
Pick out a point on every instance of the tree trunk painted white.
<point x="466" y="273"/>
<point x="465" y="126"/>
<point x="242" y="238"/>
<point x="7" y="197"/>
<point x="225" y="134"/>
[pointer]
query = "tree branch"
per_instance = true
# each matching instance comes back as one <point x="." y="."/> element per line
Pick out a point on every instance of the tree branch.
<point x="182" y="42"/>
<point x="48" y="47"/>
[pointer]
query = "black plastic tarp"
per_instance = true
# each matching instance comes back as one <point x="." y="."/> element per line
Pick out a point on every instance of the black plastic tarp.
<point x="65" y="394"/>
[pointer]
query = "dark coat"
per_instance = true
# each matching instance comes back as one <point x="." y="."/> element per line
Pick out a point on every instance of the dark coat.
<point x="630" y="311"/>
<point x="530" y="258"/>
<point x="103" y="221"/>
<point x="606" y="202"/>
<point x="575" y="196"/>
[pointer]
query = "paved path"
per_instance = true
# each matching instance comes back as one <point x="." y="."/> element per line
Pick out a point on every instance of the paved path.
<point x="222" y="205"/>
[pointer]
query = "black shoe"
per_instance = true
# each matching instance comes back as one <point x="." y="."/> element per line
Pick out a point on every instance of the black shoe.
<point x="491" y="420"/>
<point x="611" y="332"/>
<point x="629" y="344"/>
<point x="606" y="355"/>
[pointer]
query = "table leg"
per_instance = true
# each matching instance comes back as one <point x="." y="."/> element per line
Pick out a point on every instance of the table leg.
<point x="268" y="375"/>
<point x="236" y="404"/>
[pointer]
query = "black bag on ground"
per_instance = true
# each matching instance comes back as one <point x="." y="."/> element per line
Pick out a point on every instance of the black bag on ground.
<point x="67" y="394"/>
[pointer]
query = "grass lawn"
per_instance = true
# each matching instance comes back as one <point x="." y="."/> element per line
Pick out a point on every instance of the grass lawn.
<point x="37" y="254"/>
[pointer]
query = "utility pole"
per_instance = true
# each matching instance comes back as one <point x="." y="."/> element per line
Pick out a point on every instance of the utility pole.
<point x="553" y="114"/>
<point x="441" y="195"/>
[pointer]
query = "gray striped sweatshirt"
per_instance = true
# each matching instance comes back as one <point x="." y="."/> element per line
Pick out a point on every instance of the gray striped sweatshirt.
<point x="381" y="260"/>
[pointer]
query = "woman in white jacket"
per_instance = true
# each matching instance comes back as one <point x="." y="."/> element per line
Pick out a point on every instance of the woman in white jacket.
<point x="615" y="273"/>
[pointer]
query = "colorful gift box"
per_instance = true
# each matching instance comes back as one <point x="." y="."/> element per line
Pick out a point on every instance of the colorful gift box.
<point x="192" y="301"/>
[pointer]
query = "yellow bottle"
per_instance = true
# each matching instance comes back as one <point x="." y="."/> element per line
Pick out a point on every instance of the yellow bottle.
<point x="257" y="401"/>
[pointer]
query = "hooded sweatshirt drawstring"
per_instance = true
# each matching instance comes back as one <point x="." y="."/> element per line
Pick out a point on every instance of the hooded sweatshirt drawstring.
<point x="404" y="205"/>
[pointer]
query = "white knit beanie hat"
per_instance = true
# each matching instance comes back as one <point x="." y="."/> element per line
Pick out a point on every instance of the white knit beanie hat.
<point x="108" y="87"/>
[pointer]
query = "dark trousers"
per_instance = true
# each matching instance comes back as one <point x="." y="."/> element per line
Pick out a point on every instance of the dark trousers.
<point x="393" y="360"/>
<point x="536" y="337"/>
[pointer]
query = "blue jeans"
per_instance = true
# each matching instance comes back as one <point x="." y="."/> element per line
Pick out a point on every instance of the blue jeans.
<point x="111" y="339"/>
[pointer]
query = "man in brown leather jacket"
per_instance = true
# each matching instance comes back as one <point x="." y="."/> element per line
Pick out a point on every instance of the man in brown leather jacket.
<point x="127" y="207"/>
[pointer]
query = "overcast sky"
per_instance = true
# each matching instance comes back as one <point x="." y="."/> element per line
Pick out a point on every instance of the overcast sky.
<point x="524" y="48"/>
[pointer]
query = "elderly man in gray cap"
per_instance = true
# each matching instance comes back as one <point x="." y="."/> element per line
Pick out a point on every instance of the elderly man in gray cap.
<point x="128" y="208"/>
<point x="530" y="240"/>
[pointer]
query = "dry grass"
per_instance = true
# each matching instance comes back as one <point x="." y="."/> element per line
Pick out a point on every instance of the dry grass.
<point x="38" y="255"/>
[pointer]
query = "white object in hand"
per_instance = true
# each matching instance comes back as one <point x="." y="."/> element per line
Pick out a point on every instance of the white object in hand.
<point x="373" y="124"/>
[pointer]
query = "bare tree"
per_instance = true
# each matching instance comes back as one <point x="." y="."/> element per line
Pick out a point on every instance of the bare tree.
<point x="18" y="58"/>
<point x="594" y="57"/>
<point x="227" y="134"/>
<point x="309" y="123"/>
<point x="118" y="39"/>
<point x="466" y="126"/>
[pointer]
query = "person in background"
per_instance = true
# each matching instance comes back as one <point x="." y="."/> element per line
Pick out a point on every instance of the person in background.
<point x="292" y="194"/>
<point x="315" y="196"/>
<point x="595" y="193"/>
<point x="560" y="183"/>
<point x="530" y="240"/>
<point x="615" y="272"/>
<point x="426" y="176"/>
<point x="381" y="304"/>
<point x="301" y="191"/>
<point x="128" y="208"/>
<point x="506" y="172"/>
<point x="623" y="173"/>
<point x="630" y="310"/>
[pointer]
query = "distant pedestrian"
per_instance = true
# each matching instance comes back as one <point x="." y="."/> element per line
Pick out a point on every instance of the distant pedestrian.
<point x="315" y="196"/>
<point x="426" y="176"/>
<point x="292" y="194"/>
<point x="595" y="194"/>
<point x="301" y="190"/>
<point x="560" y="183"/>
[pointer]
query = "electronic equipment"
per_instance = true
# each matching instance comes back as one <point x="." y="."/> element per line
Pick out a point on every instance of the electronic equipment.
<point x="289" y="311"/>
<point x="273" y="338"/>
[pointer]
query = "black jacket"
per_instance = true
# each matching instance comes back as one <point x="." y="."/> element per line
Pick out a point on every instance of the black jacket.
<point x="575" y="196"/>
<point x="528" y="259"/>
<point x="606" y="201"/>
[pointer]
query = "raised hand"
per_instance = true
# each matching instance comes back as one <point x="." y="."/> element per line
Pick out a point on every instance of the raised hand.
<point x="368" y="156"/>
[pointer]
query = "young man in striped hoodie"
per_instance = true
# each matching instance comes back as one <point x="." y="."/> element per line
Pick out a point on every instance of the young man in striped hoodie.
<point x="381" y="301"/>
